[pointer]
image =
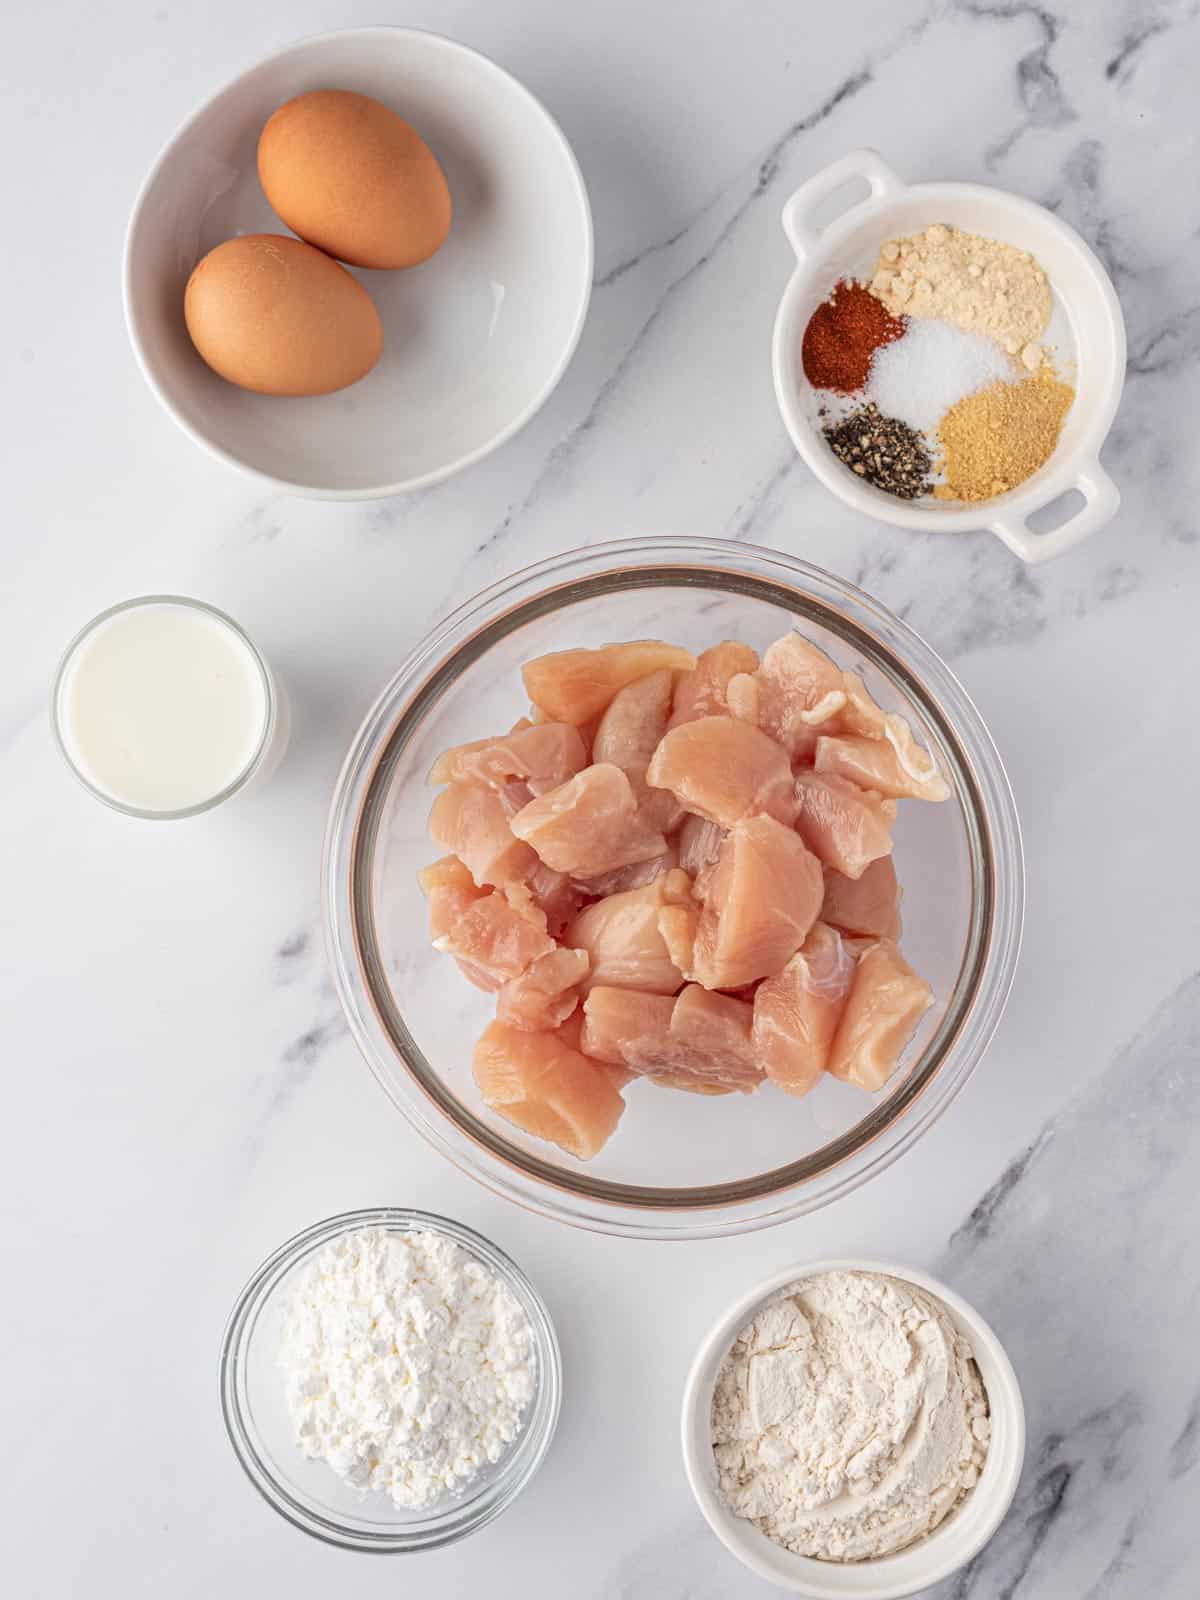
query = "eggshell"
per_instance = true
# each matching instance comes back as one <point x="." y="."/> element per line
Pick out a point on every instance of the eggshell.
<point x="351" y="177"/>
<point x="274" y="315"/>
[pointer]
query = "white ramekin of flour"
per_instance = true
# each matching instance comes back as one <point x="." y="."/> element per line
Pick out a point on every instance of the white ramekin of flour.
<point x="955" y="1355"/>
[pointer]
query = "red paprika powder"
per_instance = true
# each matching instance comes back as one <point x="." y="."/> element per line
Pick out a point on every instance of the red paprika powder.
<point x="843" y="334"/>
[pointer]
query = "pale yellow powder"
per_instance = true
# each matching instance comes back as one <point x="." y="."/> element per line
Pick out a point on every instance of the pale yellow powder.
<point x="981" y="284"/>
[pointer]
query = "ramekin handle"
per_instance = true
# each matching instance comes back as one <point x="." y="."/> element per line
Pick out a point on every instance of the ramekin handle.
<point x="803" y="235"/>
<point x="1101" y="501"/>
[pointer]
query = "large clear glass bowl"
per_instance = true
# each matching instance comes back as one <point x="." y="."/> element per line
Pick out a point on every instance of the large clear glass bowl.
<point x="309" y="1493"/>
<point x="679" y="1165"/>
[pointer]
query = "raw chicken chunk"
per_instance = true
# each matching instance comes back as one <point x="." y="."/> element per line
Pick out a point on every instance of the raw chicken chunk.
<point x="715" y="1035"/>
<point x="546" y="894"/>
<point x="546" y="993"/>
<point x="847" y="827"/>
<point x="629" y="733"/>
<point x="743" y="698"/>
<point x="589" y="825"/>
<point x="723" y="770"/>
<point x="449" y="889"/>
<point x="490" y="940"/>
<point x="699" y="1037"/>
<point x="539" y="757"/>
<point x="703" y="692"/>
<point x="869" y="905"/>
<point x="887" y="1000"/>
<point x="622" y="938"/>
<point x="895" y="766"/>
<point x="571" y="1033"/>
<point x="860" y="715"/>
<point x="538" y="1083"/>
<point x="628" y="1028"/>
<point x="700" y="844"/>
<point x="576" y="685"/>
<point x="636" y="876"/>
<point x="796" y="1014"/>
<point x="799" y="689"/>
<point x="470" y="821"/>
<point x="759" y="903"/>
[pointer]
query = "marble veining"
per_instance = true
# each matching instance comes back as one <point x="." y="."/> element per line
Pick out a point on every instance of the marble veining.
<point x="183" y="1091"/>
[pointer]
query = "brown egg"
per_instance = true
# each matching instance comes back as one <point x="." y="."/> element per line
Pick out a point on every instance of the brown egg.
<point x="351" y="177"/>
<point x="274" y="315"/>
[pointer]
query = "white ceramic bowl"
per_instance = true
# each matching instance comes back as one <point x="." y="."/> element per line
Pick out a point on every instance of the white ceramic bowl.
<point x="877" y="205"/>
<point x="963" y="1534"/>
<point x="475" y="339"/>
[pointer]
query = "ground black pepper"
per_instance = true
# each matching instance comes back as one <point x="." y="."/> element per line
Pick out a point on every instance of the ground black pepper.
<point x="883" y="451"/>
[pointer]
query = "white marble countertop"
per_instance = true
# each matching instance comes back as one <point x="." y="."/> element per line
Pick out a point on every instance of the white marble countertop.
<point x="182" y="1093"/>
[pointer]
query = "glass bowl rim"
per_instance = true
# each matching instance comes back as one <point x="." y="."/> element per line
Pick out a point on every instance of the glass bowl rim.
<point x="944" y="706"/>
<point x="459" y="1517"/>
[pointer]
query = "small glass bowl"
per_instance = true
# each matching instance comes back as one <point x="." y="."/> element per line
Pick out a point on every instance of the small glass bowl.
<point x="679" y="1166"/>
<point x="308" y="1493"/>
<point x="264" y="759"/>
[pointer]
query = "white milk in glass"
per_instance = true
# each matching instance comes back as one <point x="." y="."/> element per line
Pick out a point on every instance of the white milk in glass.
<point x="162" y="706"/>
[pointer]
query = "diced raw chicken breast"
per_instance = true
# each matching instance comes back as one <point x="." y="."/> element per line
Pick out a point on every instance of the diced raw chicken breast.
<point x="896" y="766"/>
<point x="724" y="770"/>
<point x="636" y="876"/>
<point x="759" y="903"/>
<point x="715" y="1035"/>
<point x="540" y="757"/>
<point x="887" y="1000"/>
<point x="868" y="906"/>
<point x="629" y="733"/>
<point x="547" y="895"/>
<point x="470" y="821"/>
<point x="847" y="827"/>
<point x="799" y="688"/>
<point x="621" y="936"/>
<point x="589" y="825"/>
<point x="492" y="942"/>
<point x="700" y="844"/>
<point x="449" y="889"/>
<point x="538" y="1083"/>
<point x="546" y="993"/>
<point x="742" y="697"/>
<point x="686" y="1081"/>
<point x="628" y="1028"/>
<point x="860" y="714"/>
<point x="703" y="692"/>
<point x="796" y="1014"/>
<point x="699" y="1037"/>
<point x="571" y="1033"/>
<point x="576" y="685"/>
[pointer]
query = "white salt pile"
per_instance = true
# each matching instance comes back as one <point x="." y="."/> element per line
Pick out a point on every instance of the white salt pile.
<point x="919" y="377"/>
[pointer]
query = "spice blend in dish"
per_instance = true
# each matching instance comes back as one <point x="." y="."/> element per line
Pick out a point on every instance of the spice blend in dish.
<point x="849" y="1418"/>
<point x="677" y="868"/>
<point x="407" y="1364"/>
<point x="957" y="317"/>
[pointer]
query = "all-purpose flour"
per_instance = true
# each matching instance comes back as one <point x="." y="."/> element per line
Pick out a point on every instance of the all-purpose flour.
<point x="407" y="1363"/>
<point x="849" y="1417"/>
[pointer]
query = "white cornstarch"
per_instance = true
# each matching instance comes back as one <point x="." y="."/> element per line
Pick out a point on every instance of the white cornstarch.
<point x="849" y="1418"/>
<point x="407" y="1363"/>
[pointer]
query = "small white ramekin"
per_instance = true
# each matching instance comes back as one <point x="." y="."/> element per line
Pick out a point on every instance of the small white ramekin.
<point x="829" y="250"/>
<point x="949" y="1547"/>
